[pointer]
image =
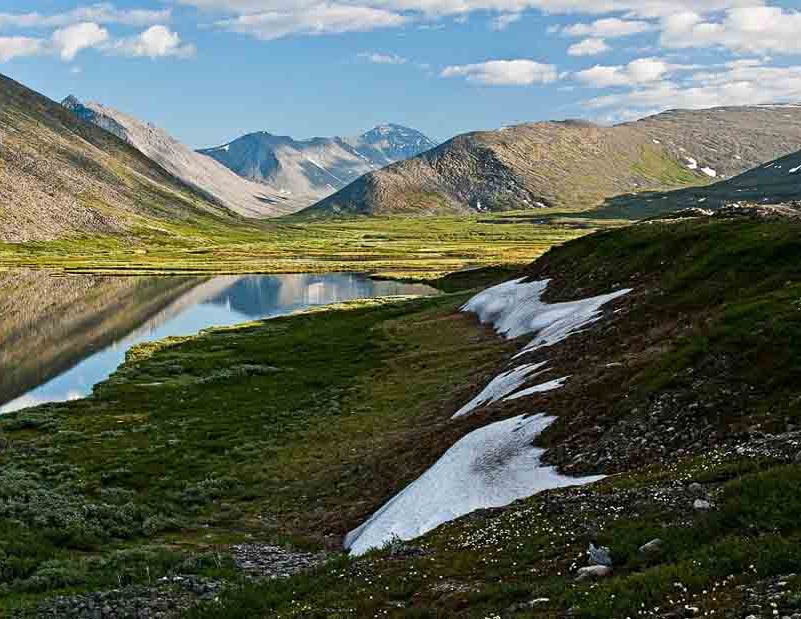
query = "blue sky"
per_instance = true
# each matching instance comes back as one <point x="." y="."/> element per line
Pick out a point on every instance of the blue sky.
<point x="210" y="70"/>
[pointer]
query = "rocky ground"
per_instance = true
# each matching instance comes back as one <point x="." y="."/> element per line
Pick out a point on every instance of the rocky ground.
<point x="172" y="596"/>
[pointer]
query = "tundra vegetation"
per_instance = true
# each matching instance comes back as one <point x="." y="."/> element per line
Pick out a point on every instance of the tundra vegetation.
<point x="292" y="431"/>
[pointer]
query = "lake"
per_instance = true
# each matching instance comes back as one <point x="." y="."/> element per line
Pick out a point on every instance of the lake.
<point x="62" y="334"/>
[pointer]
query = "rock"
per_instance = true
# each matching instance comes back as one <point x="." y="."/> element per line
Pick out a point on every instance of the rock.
<point x="599" y="555"/>
<point x="702" y="505"/>
<point x="696" y="489"/>
<point x="593" y="572"/>
<point x="652" y="547"/>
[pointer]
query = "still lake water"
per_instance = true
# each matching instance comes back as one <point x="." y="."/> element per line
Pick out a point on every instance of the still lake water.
<point x="60" y="336"/>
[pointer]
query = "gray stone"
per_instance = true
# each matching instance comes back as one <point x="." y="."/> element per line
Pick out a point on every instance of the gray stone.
<point x="599" y="555"/>
<point x="593" y="572"/>
<point x="652" y="547"/>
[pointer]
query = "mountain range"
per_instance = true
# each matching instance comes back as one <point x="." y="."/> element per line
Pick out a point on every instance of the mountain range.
<point x="78" y="169"/>
<point x="260" y="174"/>
<point x="215" y="181"/>
<point x="61" y="176"/>
<point x="305" y="171"/>
<point x="573" y="164"/>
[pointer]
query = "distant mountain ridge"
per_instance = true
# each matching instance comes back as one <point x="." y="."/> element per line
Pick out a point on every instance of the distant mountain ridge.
<point x="61" y="176"/>
<point x="309" y="170"/>
<point x="197" y="170"/>
<point x="573" y="164"/>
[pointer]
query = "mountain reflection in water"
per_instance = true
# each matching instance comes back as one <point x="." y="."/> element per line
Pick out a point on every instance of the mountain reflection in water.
<point x="62" y="334"/>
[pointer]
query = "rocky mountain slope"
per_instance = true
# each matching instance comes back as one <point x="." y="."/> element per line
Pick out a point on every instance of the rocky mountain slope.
<point x="573" y="164"/>
<point x="197" y="170"/>
<point x="304" y="171"/>
<point x="61" y="176"/>
<point x="772" y="183"/>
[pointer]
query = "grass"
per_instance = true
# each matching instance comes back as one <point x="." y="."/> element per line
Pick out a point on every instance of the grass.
<point x="241" y="433"/>
<point x="421" y="248"/>
<point x="253" y="433"/>
<point x="735" y="285"/>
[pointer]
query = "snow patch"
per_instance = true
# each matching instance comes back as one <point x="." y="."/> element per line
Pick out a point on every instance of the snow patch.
<point x="692" y="163"/>
<point x="551" y="385"/>
<point x="490" y="467"/>
<point x="709" y="172"/>
<point x="515" y="308"/>
<point x="499" y="387"/>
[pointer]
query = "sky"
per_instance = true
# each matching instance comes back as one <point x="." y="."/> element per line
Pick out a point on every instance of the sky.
<point x="211" y="70"/>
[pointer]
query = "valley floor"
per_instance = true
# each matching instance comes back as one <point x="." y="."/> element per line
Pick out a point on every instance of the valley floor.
<point x="209" y="461"/>
<point x="419" y="248"/>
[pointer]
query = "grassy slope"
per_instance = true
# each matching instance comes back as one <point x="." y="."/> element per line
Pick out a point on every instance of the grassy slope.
<point x="422" y="248"/>
<point x="735" y="287"/>
<point x="244" y="433"/>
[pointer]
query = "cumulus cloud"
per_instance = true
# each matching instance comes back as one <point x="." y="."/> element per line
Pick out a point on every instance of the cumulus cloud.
<point x="101" y="13"/>
<point x="155" y="42"/>
<point x="588" y="47"/>
<point x="377" y="58"/>
<point x="505" y="72"/>
<point x="640" y="71"/>
<point x="755" y="29"/>
<point x="19" y="47"/>
<point x="72" y="39"/>
<point x="68" y="42"/>
<point x="744" y="82"/>
<point x="634" y="8"/>
<point x="313" y="20"/>
<point x="611" y="27"/>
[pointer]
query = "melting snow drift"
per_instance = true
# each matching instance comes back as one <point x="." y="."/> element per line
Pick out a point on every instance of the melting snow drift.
<point x="514" y="308"/>
<point x="500" y="386"/>
<point x="497" y="464"/>
<point x="490" y="467"/>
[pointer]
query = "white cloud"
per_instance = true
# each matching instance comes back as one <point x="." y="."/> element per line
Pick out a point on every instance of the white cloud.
<point x="745" y="82"/>
<point x="505" y="72"/>
<point x="313" y="20"/>
<point x="755" y="29"/>
<point x="72" y="39"/>
<point x="504" y="20"/>
<point x="155" y="42"/>
<point x="640" y="71"/>
<point x="608" y="28"/>
<point x="377" y="58"/>
<point x="588" y="47"/>
<point x="19" y="47"/>
<point x="101" y="13"/>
